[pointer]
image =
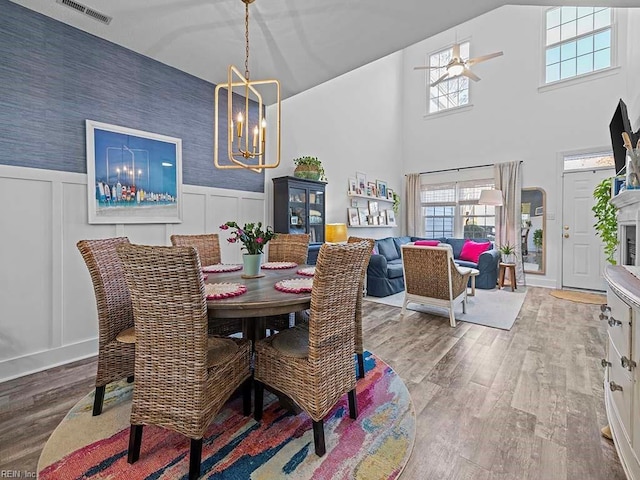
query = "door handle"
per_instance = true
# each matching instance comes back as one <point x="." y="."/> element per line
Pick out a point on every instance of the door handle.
<point x="566" y="227"/>
<point x="566" y="235"/>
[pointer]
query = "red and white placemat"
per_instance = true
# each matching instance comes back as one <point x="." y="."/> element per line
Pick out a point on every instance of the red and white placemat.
<point x="221" y="267"/>
<point x="216" y="291"/>
<point x="278" y="265"/>
<point x="295" y="285"/>
<point x="307" y="271"/>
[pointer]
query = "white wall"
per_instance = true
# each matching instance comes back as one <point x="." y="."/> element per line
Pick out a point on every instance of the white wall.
<point x="633" y="73"/>
<point x="47" y="307"/>
<point x="351" y="123"/>
<point x="511" y="119"/>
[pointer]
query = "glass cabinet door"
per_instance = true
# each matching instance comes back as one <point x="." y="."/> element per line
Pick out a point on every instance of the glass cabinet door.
<point x="297" y="210"/>
<point x="316" y="215"/>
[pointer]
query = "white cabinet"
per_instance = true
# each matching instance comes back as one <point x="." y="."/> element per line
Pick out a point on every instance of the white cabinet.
<point x="622" y="386"/>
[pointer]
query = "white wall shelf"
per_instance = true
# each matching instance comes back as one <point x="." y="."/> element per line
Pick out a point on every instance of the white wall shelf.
<point x="368" y="197"/>
<point x="372" y="226"/>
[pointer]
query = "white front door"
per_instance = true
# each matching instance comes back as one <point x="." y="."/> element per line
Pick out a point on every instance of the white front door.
<point x="583" y="258"/>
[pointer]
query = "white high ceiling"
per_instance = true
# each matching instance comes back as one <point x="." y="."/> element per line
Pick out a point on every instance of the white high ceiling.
<point x="302" y="43"/>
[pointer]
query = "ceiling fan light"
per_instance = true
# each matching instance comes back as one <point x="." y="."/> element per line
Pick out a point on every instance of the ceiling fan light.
<point x="455" y="70"/>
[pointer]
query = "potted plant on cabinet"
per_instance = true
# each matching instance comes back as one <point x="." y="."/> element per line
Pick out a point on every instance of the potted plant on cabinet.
<point x="309" y="168"/>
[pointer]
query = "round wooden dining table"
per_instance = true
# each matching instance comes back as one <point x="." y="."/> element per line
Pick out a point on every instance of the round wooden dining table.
<point x="261" y="299"/>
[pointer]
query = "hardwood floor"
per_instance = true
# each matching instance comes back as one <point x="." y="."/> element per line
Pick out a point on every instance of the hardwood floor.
<point x="491" y="404"/>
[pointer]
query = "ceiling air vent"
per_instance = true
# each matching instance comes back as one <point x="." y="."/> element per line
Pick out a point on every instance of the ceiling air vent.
<point x="101" y="17"/>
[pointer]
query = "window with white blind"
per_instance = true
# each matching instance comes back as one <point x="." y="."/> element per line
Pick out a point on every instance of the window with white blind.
<point x="452" y="210"/>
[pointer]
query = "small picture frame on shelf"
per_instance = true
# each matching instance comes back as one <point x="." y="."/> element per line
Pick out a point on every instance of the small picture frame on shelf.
<point x="376" y="220"/>
<point x="383" y="218"/>
<point x="372" y="190"/>
<point x="389" y="194"/>
<point x="361" y="182"/>
<point x="382" y="188"/>
<point x="391" y="217"/>
<point x="363" y="213"/>
<point x="354" y="218"/>
<point x="373" y="209"/>
<point x="353" y="186"/>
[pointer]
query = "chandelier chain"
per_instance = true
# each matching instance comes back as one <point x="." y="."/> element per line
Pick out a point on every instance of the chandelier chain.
<point x="246" y="30"/>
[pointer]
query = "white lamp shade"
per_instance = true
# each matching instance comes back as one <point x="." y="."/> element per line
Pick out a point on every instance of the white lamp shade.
<point x="491" y="197"/>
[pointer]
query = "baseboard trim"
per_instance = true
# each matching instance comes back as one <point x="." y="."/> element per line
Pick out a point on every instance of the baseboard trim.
<point x="39" y="361"/>
<point x="537" y="281"/>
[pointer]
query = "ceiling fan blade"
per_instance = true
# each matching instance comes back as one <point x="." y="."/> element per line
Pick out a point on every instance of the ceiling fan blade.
<point x="441" y="79"/>
<point x="427" y="67"/>
<point x="483" y="58"/>
<point x="469" y="74"/>
<point x="456" y="51"/>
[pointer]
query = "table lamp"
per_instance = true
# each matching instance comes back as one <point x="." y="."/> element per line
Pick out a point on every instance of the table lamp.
<point x="336" y="232"/>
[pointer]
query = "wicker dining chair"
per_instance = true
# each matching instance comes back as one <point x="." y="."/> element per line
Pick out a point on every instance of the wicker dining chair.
<point x="431" y="277"/>
<point x="358" y="318"/>
<point x="115" y="315"/>
<point x="183" y="376"/>
<point x="313" y="365"/>
<point x="286" y="247"/>
<point x="208" y="247"/>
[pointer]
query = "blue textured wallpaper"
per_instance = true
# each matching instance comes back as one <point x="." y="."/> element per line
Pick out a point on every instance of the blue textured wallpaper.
<point x="53" y="77"/>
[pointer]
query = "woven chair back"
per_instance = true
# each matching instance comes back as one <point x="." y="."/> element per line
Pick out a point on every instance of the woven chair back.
<point x="431" y="272"/>
<point x="287" y="247"/>
<point x="207" y="245"/>
<point x="112" y="294"/>
<point x="337" y="285"/>
<point x="359" y="336"/>
<point x="170" y="311"/>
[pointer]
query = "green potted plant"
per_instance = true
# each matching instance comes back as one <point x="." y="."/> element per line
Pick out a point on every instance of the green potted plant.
<point x="396" y="202"/>
<point x="508" y="252"/>
<point x="537" y="239"/>
<point x="309" y="168"/>
<point x="606" y="221"/>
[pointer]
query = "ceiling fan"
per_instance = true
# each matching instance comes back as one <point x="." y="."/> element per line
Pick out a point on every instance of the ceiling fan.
<point x="457" y="66"/>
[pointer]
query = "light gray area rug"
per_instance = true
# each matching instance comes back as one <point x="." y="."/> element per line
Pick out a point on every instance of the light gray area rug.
<point x="492" y="308"/>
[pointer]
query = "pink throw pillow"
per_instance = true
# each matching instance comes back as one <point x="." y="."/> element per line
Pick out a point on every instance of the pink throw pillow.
<point x="471" y="250"/>
<point x="427" y="243"/>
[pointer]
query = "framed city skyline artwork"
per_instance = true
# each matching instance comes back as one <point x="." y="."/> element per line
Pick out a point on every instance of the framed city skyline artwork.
<point x="132" y="176"/>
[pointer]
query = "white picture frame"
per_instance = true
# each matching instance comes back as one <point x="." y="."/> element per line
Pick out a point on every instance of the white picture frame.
<point x="391" y="217"/>
<point x="354" y="218"/>
<point x="132" y="176"/>
<point x="363" y="213"/>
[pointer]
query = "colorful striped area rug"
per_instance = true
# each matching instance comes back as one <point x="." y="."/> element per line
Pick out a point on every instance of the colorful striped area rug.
<point x="376" y="445"/>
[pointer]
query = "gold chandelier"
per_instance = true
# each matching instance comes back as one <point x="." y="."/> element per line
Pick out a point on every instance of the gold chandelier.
<point x="245" y="142"/>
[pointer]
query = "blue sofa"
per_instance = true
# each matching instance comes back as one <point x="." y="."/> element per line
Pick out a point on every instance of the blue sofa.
<point x="385" y="275"/>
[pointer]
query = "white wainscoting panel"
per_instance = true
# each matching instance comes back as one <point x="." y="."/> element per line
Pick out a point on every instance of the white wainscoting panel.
<point x="47" y="306"/>
<point x="26" y="265"/>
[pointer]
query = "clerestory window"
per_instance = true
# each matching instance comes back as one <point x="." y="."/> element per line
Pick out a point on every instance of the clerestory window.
<point x="578" y="41"/>
<point x="450" y="93"/>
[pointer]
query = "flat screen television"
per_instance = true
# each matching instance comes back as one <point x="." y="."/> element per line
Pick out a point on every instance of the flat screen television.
<point x="620" y="123"/>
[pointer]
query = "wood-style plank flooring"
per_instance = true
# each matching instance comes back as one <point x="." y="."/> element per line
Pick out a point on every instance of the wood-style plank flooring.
<point x="491" y="404"/>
